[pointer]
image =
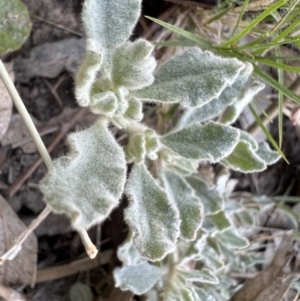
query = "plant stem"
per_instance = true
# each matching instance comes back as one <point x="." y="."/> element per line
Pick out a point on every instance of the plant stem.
<point x="25" y="116"/>
<point x="90" y="248"/>
<point x="17" y="246"/>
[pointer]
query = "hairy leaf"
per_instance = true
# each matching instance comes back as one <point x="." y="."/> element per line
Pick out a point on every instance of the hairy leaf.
<point x="210" y="198"/>
<point x="88" y="183"/>
<point x="136" y="148"/>
<point x="180" y="292"/>
<point x="15" y="25"/>
<point x="86" y="76"/>
<point x="211" y="141"/>
<point x="209" y="255"/>
<point x="141" y="144"/>
<point x="128" y="253"/>
<point x="134" y="111"/>
<point x="266" y="154"/>
<point x="133" y="65"/>
<point x="110" y="23"/>
<point x="152" y="217"/>
<point x="188" y="205"/>
<point x="243" y="158"/>
<point x="220" y="220"/>
<point x="231" y="238"/>
<point x="137" y="278"/>
<point x="245" y="136"/>
<point x="233" y="112"/>
<point x="105" y="103"/>
<point x="213" y="108"/>
<point x="192" y="79"/>
<point x="179" y="164"/>
<point x="245" y="218"/>
<point x="202" y="276"/>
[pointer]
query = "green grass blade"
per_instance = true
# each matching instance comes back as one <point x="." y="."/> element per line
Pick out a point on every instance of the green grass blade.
<point x="280" y="100"/>
<point x="253" y="23"/>
<point x="286" y="58"/>
<point x="195" y="38"/>
<point x="288" y="30"/>
<point x="285" y="17"/>
<point x="273" y="83"/>
<point x="262" y="111"/>
<point x="240" y="16"/>
<point x="267" y="46"/>
<point x="266" y="132"/>
<point x="220" y="14"/>
<point x="277" y="65"/>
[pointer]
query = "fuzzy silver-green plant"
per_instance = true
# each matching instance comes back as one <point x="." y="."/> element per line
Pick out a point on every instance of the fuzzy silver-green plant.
<point x="173" y="215"/>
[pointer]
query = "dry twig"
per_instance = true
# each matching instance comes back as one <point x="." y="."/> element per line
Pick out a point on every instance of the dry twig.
<point x="72" y="268"/>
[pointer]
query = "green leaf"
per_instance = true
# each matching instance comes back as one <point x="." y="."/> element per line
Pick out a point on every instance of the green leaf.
<point x="86" y="76"/>
<point x="266" y="154"/>
<point x="210" y="198"/>
<point x="128" y="253"/>
<point x="245" y="136"/>
<point x="15" y="25"/>
<point x="110" y="23"/>
<point x="88" y="183"/>
<point x="105" y="103"/>
<point x="231" y="238"/>
<point x="136" y="148"/>
<point x="246" y="219"/>
<point x="192" y="78"/>
<point x="244" y="159"/>
<point x="82" y="292"/>
<point x="134" y="111"/>
<point x="217" y="105"/>
<point x="209" y="255"/>
<point x="233" y="112"/>
<point x="152" y="217"/>
<point x="133" y="65"/>
<point x="137" y="278"/>
<point x="179" y="292"/>
<point x="202" y="276"/>
<point x="142" y="143"/>
<point x="212" y="141"/>
<point x="220" y="220"/>
<point x="189" y="206"/>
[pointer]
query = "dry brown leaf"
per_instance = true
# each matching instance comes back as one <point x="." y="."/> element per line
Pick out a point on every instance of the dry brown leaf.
<point x="5" y="103"/>
<point x="270" y="280"/>
<point x="50" y="59"/>
<point x="21" y="270"/>
<point x="276" y="291"/>
<point x="18" y="132"/>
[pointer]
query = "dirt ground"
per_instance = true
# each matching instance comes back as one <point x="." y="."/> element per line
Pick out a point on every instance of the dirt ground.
<point x="44" y="70"/>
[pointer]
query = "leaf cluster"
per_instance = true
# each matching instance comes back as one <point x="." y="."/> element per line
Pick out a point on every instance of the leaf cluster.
<point x="171" y="210"/>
